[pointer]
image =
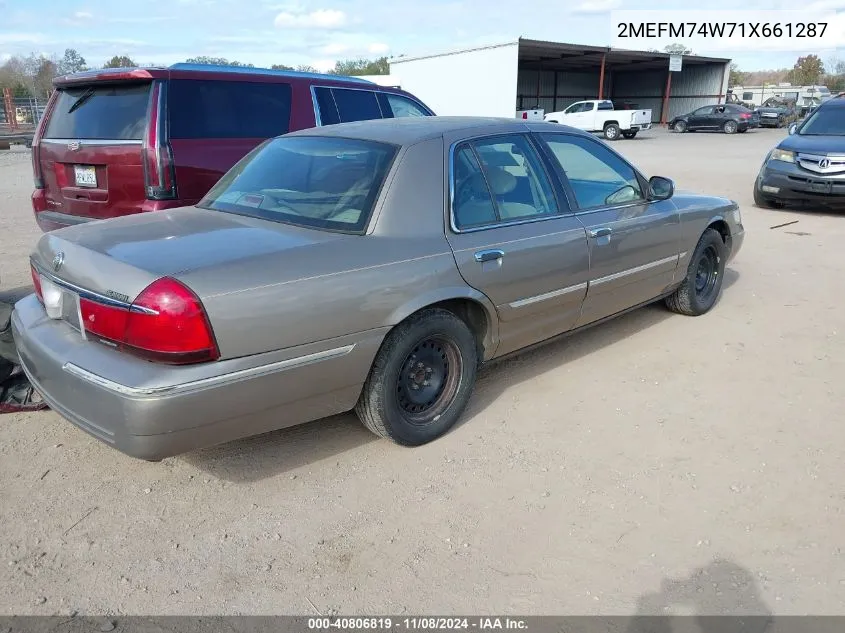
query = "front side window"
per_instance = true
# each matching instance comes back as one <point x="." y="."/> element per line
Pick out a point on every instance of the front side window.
<point x="317" y="182"/>
<point x="598" y="177"/>
<point x="512" y="175"/>
<point x="575" y="107"/>
<point x="228" y="109"/>
<point x="403" y="107"/>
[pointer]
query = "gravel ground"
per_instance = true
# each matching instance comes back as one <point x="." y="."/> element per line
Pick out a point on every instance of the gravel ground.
<point x="656" y="462"/>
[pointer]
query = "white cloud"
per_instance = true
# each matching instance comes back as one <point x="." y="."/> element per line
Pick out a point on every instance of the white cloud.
<point x="825" y="5"/>
<point x="319" y="19"/>
<point x="597" y="6"/>
<point x="323" y="65"/>
<point x="335" y="48"/>
<point x="83" y="15"/>
<point x="378" y="48"/>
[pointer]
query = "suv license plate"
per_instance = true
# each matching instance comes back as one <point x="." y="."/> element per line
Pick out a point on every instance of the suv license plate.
<point x="86" y="176"/>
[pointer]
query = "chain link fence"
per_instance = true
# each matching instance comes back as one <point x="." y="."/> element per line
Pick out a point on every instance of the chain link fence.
<point x="20" y="114"/>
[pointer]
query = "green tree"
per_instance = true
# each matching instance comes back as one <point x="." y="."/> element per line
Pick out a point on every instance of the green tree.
<point x="120" y="61"/>
<point x="71" y="62"/>
<point x="808" y="71"/>
<point x="305" y="68"/>
<point x="217" y="61"/>
<point x="351" y="67"/>
<point x="737" y="77"/>
<point x="281" y="67"/>
<point x="677" y="49"/>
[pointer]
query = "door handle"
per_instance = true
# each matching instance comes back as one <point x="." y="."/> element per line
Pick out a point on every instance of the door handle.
<point x="603" y="232"/>
<point x="489" y="256"/>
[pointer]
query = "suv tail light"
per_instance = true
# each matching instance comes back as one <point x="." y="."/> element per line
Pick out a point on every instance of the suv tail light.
<point x="36" y="281"/>
<point x="166" y="323"/>
<point x="159" y="175"/>
<point x="37" y="174"/>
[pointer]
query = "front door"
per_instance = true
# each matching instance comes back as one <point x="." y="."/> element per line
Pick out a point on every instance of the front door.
<point x="633" y="243"/>
<point x="515" y="239"/>
<point x="701" y="118"/>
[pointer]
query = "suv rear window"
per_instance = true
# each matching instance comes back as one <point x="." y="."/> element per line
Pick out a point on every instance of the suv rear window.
<point x="116" y="112"/>
<point x="228" y="109"/>
<point x="318" y="182"/>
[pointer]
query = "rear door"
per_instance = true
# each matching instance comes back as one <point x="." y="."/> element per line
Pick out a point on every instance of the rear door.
<point x="212" y="124"/>
<point x="91" y="150"/>
<point x="633" y="243"/>
<point x="515" y="239"/>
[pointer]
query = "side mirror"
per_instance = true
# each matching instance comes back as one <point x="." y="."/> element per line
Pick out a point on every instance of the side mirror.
<point x="660" y="188"/>
<point x="792" y="128"/>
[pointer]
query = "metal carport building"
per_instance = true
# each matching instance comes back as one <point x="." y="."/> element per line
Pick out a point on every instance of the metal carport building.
<point x="525" y="74"/>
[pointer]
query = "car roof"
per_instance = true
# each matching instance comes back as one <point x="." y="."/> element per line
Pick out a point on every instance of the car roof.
<point x="412" y="130"/>
<point x="209" y="71"/>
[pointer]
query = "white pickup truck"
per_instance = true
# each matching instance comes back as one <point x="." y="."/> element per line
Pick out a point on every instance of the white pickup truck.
<point x="600" y="116"/>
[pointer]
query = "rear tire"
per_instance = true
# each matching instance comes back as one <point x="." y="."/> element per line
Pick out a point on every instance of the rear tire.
<point x="703" y="283"/>
<point x="611" y="132"/>
<point x="730" y="127"/>
<point x="421" y="379"/>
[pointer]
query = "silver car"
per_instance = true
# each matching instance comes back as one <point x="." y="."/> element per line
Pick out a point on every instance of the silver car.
<point x="371" y="266"/>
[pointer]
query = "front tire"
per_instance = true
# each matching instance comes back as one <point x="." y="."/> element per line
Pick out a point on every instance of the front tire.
<point x="421" y="380"/>
<point x="703" y="282"/>
<point x="680" y="127"/>
<point x="611" y="132"/>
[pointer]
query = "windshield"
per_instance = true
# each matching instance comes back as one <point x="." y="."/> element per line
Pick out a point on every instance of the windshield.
<point x="317" y="182"/>
<point x="824" y="122"/>
<point x="115" y="112"/>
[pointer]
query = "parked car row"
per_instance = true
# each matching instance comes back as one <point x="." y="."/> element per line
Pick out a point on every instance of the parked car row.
<point x="368" y="256"/>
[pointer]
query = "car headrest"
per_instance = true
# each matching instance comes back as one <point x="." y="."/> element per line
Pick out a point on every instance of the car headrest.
<point x="501" y="182"/>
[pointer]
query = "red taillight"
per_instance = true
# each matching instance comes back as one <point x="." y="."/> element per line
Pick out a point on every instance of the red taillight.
<point x="107" y="322"/>
<point x="36" y="281"/>
<point x="159" y="178"/>
<point x="745" y="115"/>
<point x="37" y="175"/>
<point x="166" y="323"/>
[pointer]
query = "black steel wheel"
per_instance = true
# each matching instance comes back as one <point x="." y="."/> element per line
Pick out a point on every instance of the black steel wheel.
<point x="428" y="380"/>
<point x="700" y="289"/>
<point x="421" y="379"/>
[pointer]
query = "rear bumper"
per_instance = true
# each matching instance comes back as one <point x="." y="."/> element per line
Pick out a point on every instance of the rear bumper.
<point x="785" y="181"/>
<point x="153" y="411"/>
<point x="640" y="126"/>
<point x="48" y="220"/>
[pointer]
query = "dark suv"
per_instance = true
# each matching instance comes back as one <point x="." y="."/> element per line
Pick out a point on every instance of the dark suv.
<point x="808" y="166"/>
<point x="122" y="141"/>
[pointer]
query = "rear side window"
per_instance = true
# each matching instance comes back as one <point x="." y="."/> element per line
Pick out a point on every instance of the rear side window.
<point x="343" y="105"/>
<point x="228" y="109"/>
<point x="116" y="112"/>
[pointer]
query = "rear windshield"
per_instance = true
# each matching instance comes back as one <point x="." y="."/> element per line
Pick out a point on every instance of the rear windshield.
<point x="117" y="112"/>
<point x="825" y="122"/>
<point x="318" y="182"/>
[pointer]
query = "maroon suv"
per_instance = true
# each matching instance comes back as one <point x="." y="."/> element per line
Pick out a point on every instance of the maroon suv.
<point x="121" y="141"/>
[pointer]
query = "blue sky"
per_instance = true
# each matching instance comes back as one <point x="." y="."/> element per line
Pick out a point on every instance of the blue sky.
<point x="317" y="32"/>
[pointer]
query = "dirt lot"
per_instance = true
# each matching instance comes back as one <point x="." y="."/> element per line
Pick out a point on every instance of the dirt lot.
<point x="655" y="462"/>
